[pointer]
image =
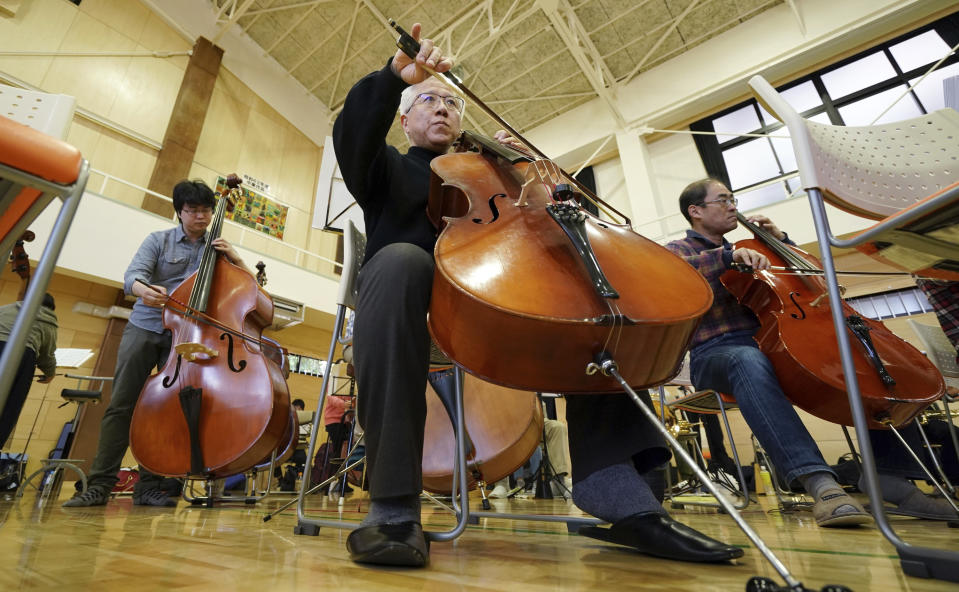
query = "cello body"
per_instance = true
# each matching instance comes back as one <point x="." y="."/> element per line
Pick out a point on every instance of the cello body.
<point x="503" y="425"/>
<point x="510" y="272"/>
<point x="798" y="337"/>
<point x="244" y="405"/>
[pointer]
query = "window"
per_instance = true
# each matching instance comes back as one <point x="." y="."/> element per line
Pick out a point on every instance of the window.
<point x="306" y="365"/>
<point x="854" y="91"/>
<point x="888" y="305"/>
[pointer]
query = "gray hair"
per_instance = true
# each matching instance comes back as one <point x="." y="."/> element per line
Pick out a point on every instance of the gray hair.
<point x="411" y="92"/>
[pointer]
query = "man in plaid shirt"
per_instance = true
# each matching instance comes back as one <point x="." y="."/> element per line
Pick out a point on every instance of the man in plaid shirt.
<point x="725" y="357"/>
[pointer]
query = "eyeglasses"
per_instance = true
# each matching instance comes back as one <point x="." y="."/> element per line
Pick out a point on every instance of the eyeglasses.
<point x="725" y="199"/>
<point x="197" y="212"/>
<point x="453" y="103"/>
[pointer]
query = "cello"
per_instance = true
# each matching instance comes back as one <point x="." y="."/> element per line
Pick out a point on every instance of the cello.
<point x="219" y="405"/>
<point x="796" y="333"/>
<point x="561" y="286"/>
<point x="503" y="427"/>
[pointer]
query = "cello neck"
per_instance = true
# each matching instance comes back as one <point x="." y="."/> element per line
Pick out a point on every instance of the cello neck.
<point x="411" y="47"/>
<point x="774" y="243"/>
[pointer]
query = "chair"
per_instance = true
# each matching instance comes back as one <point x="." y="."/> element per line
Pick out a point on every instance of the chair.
<point x="354" y="248"/>
<point x="54" y="466"/>
<point x="34" y="169"/>
<point x="707" y="402"/>
<point x="938" y="348"/>
<point x="904" y="174"/>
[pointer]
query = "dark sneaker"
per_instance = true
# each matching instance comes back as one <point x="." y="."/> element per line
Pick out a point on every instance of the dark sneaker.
<point x="153" y="497"/>
<point x="93" y="496"/>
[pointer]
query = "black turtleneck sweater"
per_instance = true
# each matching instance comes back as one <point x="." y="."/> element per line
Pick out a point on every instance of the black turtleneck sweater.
<point x="391" y="188"/>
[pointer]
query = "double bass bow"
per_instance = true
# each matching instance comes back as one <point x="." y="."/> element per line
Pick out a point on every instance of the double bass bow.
<point x="219" y="405"/>
<point x="797" y="335"/>
<point x="530" y="289"/>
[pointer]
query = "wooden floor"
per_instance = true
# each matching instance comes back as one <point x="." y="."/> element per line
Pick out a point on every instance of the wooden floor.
<point x="122" y="547"/>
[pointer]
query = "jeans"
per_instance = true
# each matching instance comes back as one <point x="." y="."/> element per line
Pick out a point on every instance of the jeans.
<point x="733" y="364"/>
<point x="140" y="352"/>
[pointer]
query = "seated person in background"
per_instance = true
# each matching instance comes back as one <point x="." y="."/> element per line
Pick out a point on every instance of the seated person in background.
<point x="944" y="298"/>
<point x="38" y="353"/>
<point x="338" y="425"/>
<point x="725" y="357"/>
<point x="897" y="469"/>
<point x="304" y="429"/>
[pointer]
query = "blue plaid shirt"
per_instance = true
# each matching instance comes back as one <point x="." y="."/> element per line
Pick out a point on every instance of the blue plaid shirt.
<point x="711" y="260"/>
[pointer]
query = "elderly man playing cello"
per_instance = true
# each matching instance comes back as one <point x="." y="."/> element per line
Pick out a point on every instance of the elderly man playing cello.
<point x="609" y="448"/>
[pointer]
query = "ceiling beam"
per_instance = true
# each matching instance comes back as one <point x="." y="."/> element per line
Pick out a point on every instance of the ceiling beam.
<point x="235" y="15"/>
<point x="570" y="30"/>
<point x="662" y="38"/>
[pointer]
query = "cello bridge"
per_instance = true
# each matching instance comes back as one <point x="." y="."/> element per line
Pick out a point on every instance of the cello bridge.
<point x="818" y="299"/>
<point x="539" y="172"/>
<point x="192" y="351"/>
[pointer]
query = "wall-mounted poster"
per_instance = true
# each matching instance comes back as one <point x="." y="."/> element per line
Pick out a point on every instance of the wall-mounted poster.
<point x="255" y="210"/>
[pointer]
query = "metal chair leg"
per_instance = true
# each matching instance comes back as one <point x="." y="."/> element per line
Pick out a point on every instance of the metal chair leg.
<point x="608" y="366"/>
<point x="924" y="562"/>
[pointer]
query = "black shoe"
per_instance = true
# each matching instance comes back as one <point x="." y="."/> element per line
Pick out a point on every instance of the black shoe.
<point x="389" y="544"/>
<point x="659" y="535"/>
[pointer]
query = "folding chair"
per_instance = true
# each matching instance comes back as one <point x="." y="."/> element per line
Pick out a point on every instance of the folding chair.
<point x="34" y="169"/>
<point x="905" y="174"/>
<point x="707" y="402"/>
<point x="354" y="248"/>
<point x="940" y="350"/>
<point x="54" y="466"/>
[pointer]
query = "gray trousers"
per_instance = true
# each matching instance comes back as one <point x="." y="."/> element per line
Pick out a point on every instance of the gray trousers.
<point x="392" y="362"/>
<point x="391" y="359"/>
<point x="140" y="352"/>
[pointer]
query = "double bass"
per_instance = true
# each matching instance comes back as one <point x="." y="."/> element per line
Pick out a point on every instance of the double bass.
<point x="797" y="335"/>
<point x="218" y="406"/>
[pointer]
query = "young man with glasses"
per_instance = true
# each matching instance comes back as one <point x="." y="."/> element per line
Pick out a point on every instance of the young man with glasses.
<point x="610" y="448"/>
<point x="164" y="260"/>
<point x="725" y="357"/>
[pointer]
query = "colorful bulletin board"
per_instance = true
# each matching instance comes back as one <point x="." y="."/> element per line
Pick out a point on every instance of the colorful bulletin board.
<point x="255" y="211"/>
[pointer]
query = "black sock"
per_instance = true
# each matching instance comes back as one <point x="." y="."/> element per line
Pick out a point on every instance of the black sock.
<point x="393" y="510"/>
<point x="614" y="493"/>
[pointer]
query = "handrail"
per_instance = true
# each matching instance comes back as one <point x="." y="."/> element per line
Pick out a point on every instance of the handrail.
<point x="301" y="253"/>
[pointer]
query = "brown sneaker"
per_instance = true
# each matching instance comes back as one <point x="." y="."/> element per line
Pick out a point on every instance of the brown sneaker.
<point x="838" y="508"/>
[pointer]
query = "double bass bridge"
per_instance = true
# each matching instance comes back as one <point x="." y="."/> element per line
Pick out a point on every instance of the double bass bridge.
<point x="194" y="352"/>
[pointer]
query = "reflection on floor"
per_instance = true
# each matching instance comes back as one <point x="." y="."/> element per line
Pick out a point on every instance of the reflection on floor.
<point x="229" y="547"/>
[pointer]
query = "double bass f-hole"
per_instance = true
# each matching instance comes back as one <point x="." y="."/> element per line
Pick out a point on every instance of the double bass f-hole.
<point x="493" y="209"/>
<point x="229" y="353"/>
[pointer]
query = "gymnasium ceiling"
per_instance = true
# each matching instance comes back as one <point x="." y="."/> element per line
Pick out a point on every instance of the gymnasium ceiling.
<point x="530" y="60"/>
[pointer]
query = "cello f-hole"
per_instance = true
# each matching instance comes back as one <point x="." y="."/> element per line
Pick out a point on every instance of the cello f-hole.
<point x="792" y="297"/>
<point x="229" y="353"/>
<point x="493" y="209"/>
